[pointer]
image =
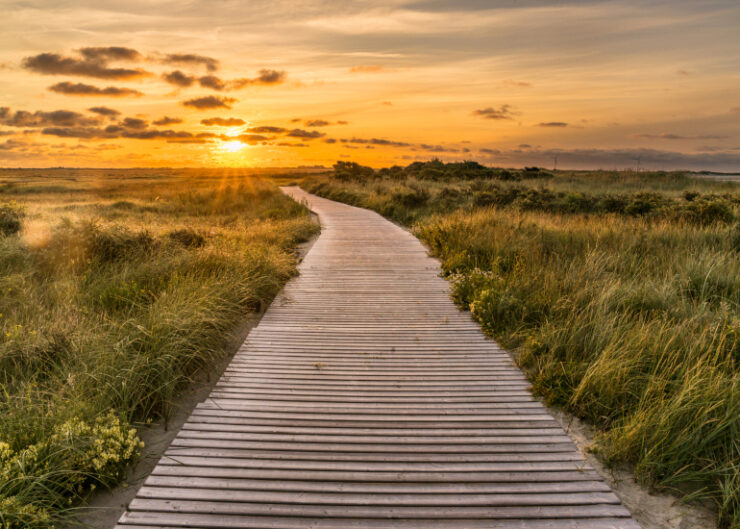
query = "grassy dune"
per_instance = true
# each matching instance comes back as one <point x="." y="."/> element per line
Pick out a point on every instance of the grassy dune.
<point x="618" y="292"/>
<point x="116" y="288"/>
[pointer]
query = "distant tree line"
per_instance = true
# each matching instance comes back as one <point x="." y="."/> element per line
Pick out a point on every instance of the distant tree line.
<point x="436" y="170"/>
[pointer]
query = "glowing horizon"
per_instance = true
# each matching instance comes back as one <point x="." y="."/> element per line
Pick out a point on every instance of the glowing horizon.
<point x="584" y="84"/>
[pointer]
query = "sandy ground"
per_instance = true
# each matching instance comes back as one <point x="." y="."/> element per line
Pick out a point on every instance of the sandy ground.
<point x="652" y="510"/>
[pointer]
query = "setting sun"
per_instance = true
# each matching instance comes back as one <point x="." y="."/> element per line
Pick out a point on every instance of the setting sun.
<point x="232" y="146"/>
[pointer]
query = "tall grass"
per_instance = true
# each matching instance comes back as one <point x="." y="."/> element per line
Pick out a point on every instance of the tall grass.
<point x="630" y="320"/>
<point x="114" y="294"/>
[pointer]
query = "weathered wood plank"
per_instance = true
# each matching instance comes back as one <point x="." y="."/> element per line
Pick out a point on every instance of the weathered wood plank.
<point x="361" y="511"/>
<point x="160" y="520"/>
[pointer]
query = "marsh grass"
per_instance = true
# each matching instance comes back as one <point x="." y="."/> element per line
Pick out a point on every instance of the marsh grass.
<point x="116" y="290"/>
<point x="627" y="317"/>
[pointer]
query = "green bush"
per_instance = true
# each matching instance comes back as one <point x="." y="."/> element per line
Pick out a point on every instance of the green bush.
<point x="39" y="480"/>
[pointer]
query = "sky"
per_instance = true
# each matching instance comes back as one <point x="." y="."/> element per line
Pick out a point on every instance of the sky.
<point x="247" y="83"/>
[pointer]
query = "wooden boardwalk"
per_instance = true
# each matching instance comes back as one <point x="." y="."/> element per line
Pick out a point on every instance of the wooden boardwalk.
<point x="365" y="399"/>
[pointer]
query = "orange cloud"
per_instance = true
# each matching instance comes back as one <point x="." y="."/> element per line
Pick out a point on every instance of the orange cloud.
<point x="207" y="102"/>
<point x="94" y="64"/>
<point x="223" y="122"/>
<point x="81" y="89"/>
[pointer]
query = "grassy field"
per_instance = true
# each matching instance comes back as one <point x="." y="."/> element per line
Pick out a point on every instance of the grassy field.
<point x="618" y="292"/>
<point x="117" y="287"/>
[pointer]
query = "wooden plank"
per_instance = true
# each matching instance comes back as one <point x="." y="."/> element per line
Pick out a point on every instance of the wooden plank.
<point x="398" y="448"/>
<point x="164" y="520"/>
<point x="361" y="511"/>
<point x="377" y="499"/>
<point x="380" y="488"/>
<point x="372" y="432"/>
<point x="209" y="470"/>
<point x="365" y="400"/>
<point x="176" y="451"/>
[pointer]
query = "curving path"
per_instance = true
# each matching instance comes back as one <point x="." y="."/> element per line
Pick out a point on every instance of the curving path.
<point x="365" y="399"/>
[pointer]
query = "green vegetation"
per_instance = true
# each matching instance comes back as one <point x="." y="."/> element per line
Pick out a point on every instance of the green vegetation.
<point x="116" y="290"/>
<point x="619" y="293"/>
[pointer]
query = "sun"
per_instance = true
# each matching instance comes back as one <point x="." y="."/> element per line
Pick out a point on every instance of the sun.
<point x="232" y="146"/>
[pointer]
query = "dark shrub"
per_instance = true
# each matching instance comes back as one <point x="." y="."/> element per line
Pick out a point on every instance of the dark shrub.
<point x="393" y="173"/>
<point x="414" y="197"/>
<point x="708" y="211"/>
<point x="468" y="170"/>
<point x="10" y="219"/>
<point x="577" y="203"/>
<point x="450" y="193"/>
<point x="187" y="237"/>
<point x="484" y="198"/>
<point x="432" y="173"/>
<point x="535" y="172"/>
<point x="613" y="203"/>
<point x="352" y="171"/>
<point x="645" y="203"/>
<point x="504" y="174"/>
<point x="123" y="204"/>
<point x="432" y="170"/>
<point x="117" y="244"/>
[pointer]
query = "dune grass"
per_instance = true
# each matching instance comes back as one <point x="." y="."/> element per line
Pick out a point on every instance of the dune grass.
<point x="116" y="290"/>
<point x="619" y="294"/>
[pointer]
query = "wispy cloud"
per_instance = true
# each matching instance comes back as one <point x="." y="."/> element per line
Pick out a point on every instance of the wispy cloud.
<point x="179" y="78"/>
<point x="376" y="141"/>
<point x="668" y="136"/>
<point x="223" y="122"/>
<point x="191" y="59"/>
<point x="82" y="89"/>
<point x="264" y="77"/>
<point x="110" y="53"/>
<point x="62" y="118"/>
<point x="251" y="139"/>
<point x="92" y="64"/>
<point x="305" y="134"/>
<point x="208" y="102"/>
<point x="166" y="120"/>
<point x="213" y="82"/>
<point x="502" y="112"/>
<point x="268" y="129"/>
<point x="105" y="111"/>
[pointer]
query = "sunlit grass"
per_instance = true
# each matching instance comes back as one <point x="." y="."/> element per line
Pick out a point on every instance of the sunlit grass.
<point x="629" y="318"/>
<point x="116" y="290"/>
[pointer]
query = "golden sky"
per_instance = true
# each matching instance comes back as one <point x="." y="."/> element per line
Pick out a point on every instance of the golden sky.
<point x="591" y="84"/>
